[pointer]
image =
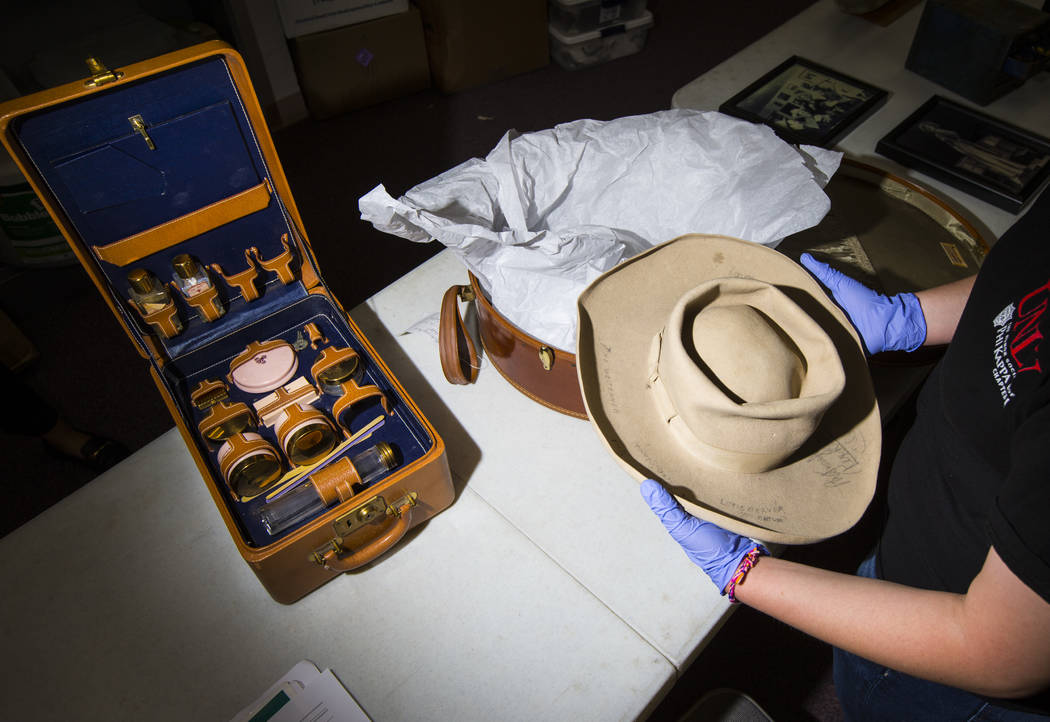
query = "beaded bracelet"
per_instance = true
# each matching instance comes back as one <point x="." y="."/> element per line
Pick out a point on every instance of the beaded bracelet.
<point x="750" y="559"/>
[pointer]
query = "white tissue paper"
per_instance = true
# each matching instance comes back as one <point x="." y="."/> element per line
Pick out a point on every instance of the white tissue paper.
<point x="546" y="213"/>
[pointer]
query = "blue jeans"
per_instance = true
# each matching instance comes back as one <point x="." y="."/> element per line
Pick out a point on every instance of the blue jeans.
<point x="868" y="691"/>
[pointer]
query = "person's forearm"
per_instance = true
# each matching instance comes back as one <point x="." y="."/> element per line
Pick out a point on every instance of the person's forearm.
<point x="915" y="631"/>
<point x="942" y="306"/>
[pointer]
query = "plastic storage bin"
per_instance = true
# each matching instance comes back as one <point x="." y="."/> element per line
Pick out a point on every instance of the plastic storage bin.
<point x="599" y="46"/>
<point x="572" y="17"/>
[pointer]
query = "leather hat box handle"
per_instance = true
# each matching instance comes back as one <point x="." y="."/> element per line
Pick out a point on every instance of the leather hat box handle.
<point x="335" y="562"/>
<point x="459" y="357"/>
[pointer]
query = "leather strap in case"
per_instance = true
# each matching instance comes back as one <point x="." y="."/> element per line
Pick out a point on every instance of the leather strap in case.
<point x="206" y="302"/>
<point x="136" y="247"/>
<point x="243" y="281"/>
<point x="353" y="394"/>
<point x="208" y="393"/>
<point x="335" y="482"/>
<point x="165" y="320"/>
<point x="281" y="264"/>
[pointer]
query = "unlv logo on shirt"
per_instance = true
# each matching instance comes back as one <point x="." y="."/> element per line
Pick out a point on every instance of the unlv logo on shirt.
<point x="1024" y="348"/>
<point x="1017" y="340"/>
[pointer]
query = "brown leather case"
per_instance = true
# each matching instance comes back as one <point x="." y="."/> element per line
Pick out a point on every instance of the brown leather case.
<point x="362" y="524"/>
<point x="914" y="239"/>
<point x="545" y="374"/>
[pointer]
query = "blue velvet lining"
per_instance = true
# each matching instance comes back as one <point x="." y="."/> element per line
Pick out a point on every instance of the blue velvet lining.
<point x="402" y="430"/>
<point x="111" y="184"/>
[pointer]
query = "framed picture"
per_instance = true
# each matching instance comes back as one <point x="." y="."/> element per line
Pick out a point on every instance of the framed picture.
<point x="806" y="103"/>
<point x="974" y="152"/>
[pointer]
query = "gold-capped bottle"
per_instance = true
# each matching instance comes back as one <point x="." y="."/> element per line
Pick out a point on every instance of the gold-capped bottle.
<point x="149" y="294"/>
<point x="196" y="286"/>
<point x="190" y="276"/>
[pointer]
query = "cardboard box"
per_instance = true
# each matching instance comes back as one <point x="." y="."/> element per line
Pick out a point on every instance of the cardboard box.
<point x="473" y="42"/>
<point x="358" y="65"/>
<point x="977" y="48"/>
<point x="302" y="17"/>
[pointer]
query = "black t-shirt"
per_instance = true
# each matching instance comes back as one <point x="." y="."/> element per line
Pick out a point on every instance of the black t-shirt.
<point x="974" y="470"/>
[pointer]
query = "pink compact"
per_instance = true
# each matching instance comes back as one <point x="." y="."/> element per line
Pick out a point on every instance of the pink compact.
<point x="263" y="366"/>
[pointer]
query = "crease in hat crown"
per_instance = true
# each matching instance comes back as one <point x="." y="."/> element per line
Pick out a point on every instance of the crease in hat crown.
<point x="742" y="375"/>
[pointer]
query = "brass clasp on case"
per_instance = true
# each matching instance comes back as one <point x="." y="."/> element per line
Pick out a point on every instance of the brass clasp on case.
<point x="546" y="357"/>
<point x="100" y="74"/>
<point x="372" y="510"/>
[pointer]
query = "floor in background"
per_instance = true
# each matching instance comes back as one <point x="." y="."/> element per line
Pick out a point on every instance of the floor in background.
<point x="89" y="368"/>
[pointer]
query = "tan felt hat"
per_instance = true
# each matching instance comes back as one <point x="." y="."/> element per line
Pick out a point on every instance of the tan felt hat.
<point x="721" y="368"/>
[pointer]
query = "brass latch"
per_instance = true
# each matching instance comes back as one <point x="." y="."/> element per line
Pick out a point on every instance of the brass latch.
<point x="546" y="357"/>
<point x="139" y="126"/>
<point x="346" y="524"/>
<point x="466" y="294"/>
<point x="100" y="74"/>
<point x="372" y="510"/>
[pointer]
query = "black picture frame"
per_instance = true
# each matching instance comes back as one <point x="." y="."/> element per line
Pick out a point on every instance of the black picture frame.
<point x="806" y="103"/>
<point x="977" y="153"/>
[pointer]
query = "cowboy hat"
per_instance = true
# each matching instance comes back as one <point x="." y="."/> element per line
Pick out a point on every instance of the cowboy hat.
<point x="721" y="368"/>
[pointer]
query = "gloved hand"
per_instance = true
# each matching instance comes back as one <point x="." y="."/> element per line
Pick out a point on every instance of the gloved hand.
<point x="717" y="551"/>
<point x="885" y="323"/>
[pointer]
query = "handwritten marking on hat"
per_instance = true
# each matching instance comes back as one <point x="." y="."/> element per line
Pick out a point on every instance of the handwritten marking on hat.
<point x="838" y="460"/>
<point x="608" y="386"/>
<point x="767" y="513"/>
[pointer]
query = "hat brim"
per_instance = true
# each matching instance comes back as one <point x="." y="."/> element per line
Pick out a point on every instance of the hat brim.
<point x="820" y="491"/>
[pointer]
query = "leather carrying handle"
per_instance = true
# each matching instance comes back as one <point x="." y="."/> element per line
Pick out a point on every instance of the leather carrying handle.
<point x="333" y="561"/>
<point x="459" y="357"/>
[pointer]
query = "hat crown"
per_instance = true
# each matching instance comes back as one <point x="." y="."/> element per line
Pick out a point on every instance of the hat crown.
<point x="743" y="374"/>
<point x="747" y="353"/>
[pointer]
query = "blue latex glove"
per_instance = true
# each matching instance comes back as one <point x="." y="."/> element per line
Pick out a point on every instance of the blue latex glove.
<point x="717" y="551"/>
<point x="885" y="323"/>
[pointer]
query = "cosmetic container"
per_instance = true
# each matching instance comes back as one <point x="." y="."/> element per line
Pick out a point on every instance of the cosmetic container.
<point x="306" y="435"/>
<point x="148" y="293"/>
<point x="327" y="487"/>
<point x="249" y="463"/>
<point x="191" y="278"/>
<point x="335" y="367"/>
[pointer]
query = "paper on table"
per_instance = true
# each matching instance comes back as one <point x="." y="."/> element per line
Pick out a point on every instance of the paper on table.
<point x="546" y="213"/>
<point x="304" y="693"/>
<point x="323" y="700"/>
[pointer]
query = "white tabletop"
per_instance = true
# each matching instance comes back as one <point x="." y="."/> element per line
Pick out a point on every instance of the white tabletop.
<point x="549" y="476"/>
<point x="876" y="55"/>
<point x="129" y="601"/>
